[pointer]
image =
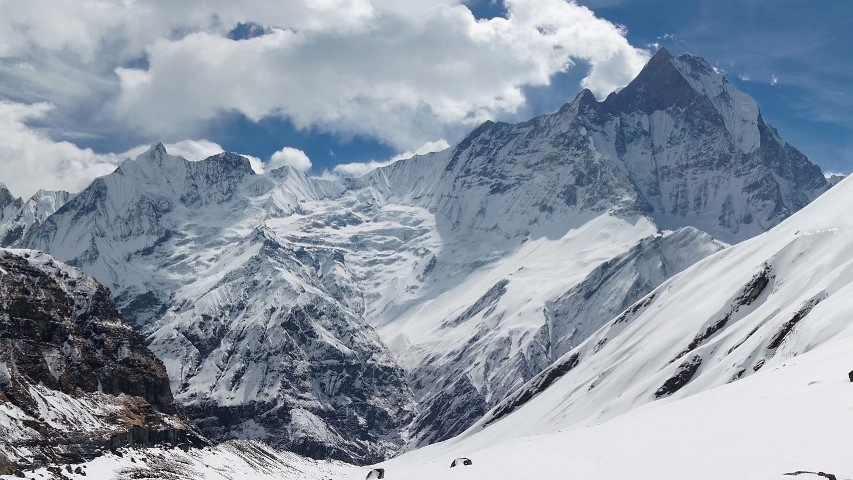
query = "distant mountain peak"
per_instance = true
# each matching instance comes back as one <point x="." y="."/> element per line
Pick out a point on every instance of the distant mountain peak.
<point x="231" y="161"/>
<point x="158" y="149"/>
<point x="662" y="53"/>
<point x="660" y="85"/>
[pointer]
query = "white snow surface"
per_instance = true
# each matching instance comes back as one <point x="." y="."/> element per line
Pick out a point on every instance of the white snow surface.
<point x="235" y="460"/>
<point x="793" y="417"/>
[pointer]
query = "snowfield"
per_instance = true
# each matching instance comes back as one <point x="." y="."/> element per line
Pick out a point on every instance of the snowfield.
<point x="797" y="416"/>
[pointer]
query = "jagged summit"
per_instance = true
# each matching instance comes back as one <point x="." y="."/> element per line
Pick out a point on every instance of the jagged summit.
<point x="659" y="85"/>
<point x="157" y="148"/>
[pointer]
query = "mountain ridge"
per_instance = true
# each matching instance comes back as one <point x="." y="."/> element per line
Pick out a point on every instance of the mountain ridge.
<point x="453" y="274"/>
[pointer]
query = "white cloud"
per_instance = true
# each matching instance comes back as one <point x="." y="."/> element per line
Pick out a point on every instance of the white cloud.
<point x="30" y="161"/>
<point x="774" y="80"/>
<point x="405" y="73"/>
<point x="399" y="72"/>
<point x="291" y="157"/>
<point x="744" y="77"/>
<point x="192" y="150"/>
<point x="354" y="170"/>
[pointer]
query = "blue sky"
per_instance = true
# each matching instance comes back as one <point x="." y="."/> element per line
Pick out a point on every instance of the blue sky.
<point x="366" y="80"/>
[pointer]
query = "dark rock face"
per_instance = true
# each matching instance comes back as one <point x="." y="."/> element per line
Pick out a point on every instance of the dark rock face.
<point x="450" y="412"/>
<point x="63" y="344"/>
<point x="685" y="372"/>
<point x="42" y="315"/>
<point x="537" y="385"/>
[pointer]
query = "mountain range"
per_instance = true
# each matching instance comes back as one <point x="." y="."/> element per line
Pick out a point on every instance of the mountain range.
<point x="447" y="294"/>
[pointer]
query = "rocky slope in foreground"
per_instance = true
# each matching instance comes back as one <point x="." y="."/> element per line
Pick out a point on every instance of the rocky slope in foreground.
<point x="75" y="380"/>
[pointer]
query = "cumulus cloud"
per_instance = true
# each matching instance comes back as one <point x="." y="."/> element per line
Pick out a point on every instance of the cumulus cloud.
<point x="291" y="157"/>
<point x="192" y="150"/>
<point x="30" y="161"/>
<point x="774" y="80"/>
<point x="400" y="72"/>
<point x="353" y="170"/>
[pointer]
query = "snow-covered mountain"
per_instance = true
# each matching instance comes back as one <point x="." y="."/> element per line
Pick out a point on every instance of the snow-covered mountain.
<point x="527" y="211"/>
<point x="75" y="380"/>
<point x="349" y="319"/>
<point x="17" y="216"/>
<point x="748" y="309"/>
<point x="738" y="367"/>
<point x="263" y="337"/>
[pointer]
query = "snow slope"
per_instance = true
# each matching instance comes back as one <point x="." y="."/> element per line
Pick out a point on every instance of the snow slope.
<point x="749" y="307"/>
<point x="795" y="417"/>
<point x="766" y="395"/>
<point x="227" y="461"/>
<point x="792" y="417"/>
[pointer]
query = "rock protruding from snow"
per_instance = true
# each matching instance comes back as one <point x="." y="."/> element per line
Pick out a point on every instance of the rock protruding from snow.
<point x="835" y="178"/>
<point x="75" y="380"/>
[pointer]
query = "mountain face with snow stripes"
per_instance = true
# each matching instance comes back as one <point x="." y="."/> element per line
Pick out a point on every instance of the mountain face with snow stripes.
<point x="354" y="318"/>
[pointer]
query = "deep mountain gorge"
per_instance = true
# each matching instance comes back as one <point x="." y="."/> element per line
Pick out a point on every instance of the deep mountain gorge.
<point x="351" y="319"/>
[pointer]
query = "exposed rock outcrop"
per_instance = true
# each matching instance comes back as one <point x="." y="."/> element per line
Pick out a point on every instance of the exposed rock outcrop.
<point x="75" y="379"/>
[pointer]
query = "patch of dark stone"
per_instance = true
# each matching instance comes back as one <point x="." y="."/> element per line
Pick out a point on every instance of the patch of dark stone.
<point x="788" y="326"/>
<point x="376" y="473"/>
<point x="629" y="313"/>
<point x="755" y="287"/>
<point x="682" y="377"/>
<point x="828" y="476"/>
<point x="488" y="299"/>
<point x="750" y="292"/>
<point x="537" y="385"/>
